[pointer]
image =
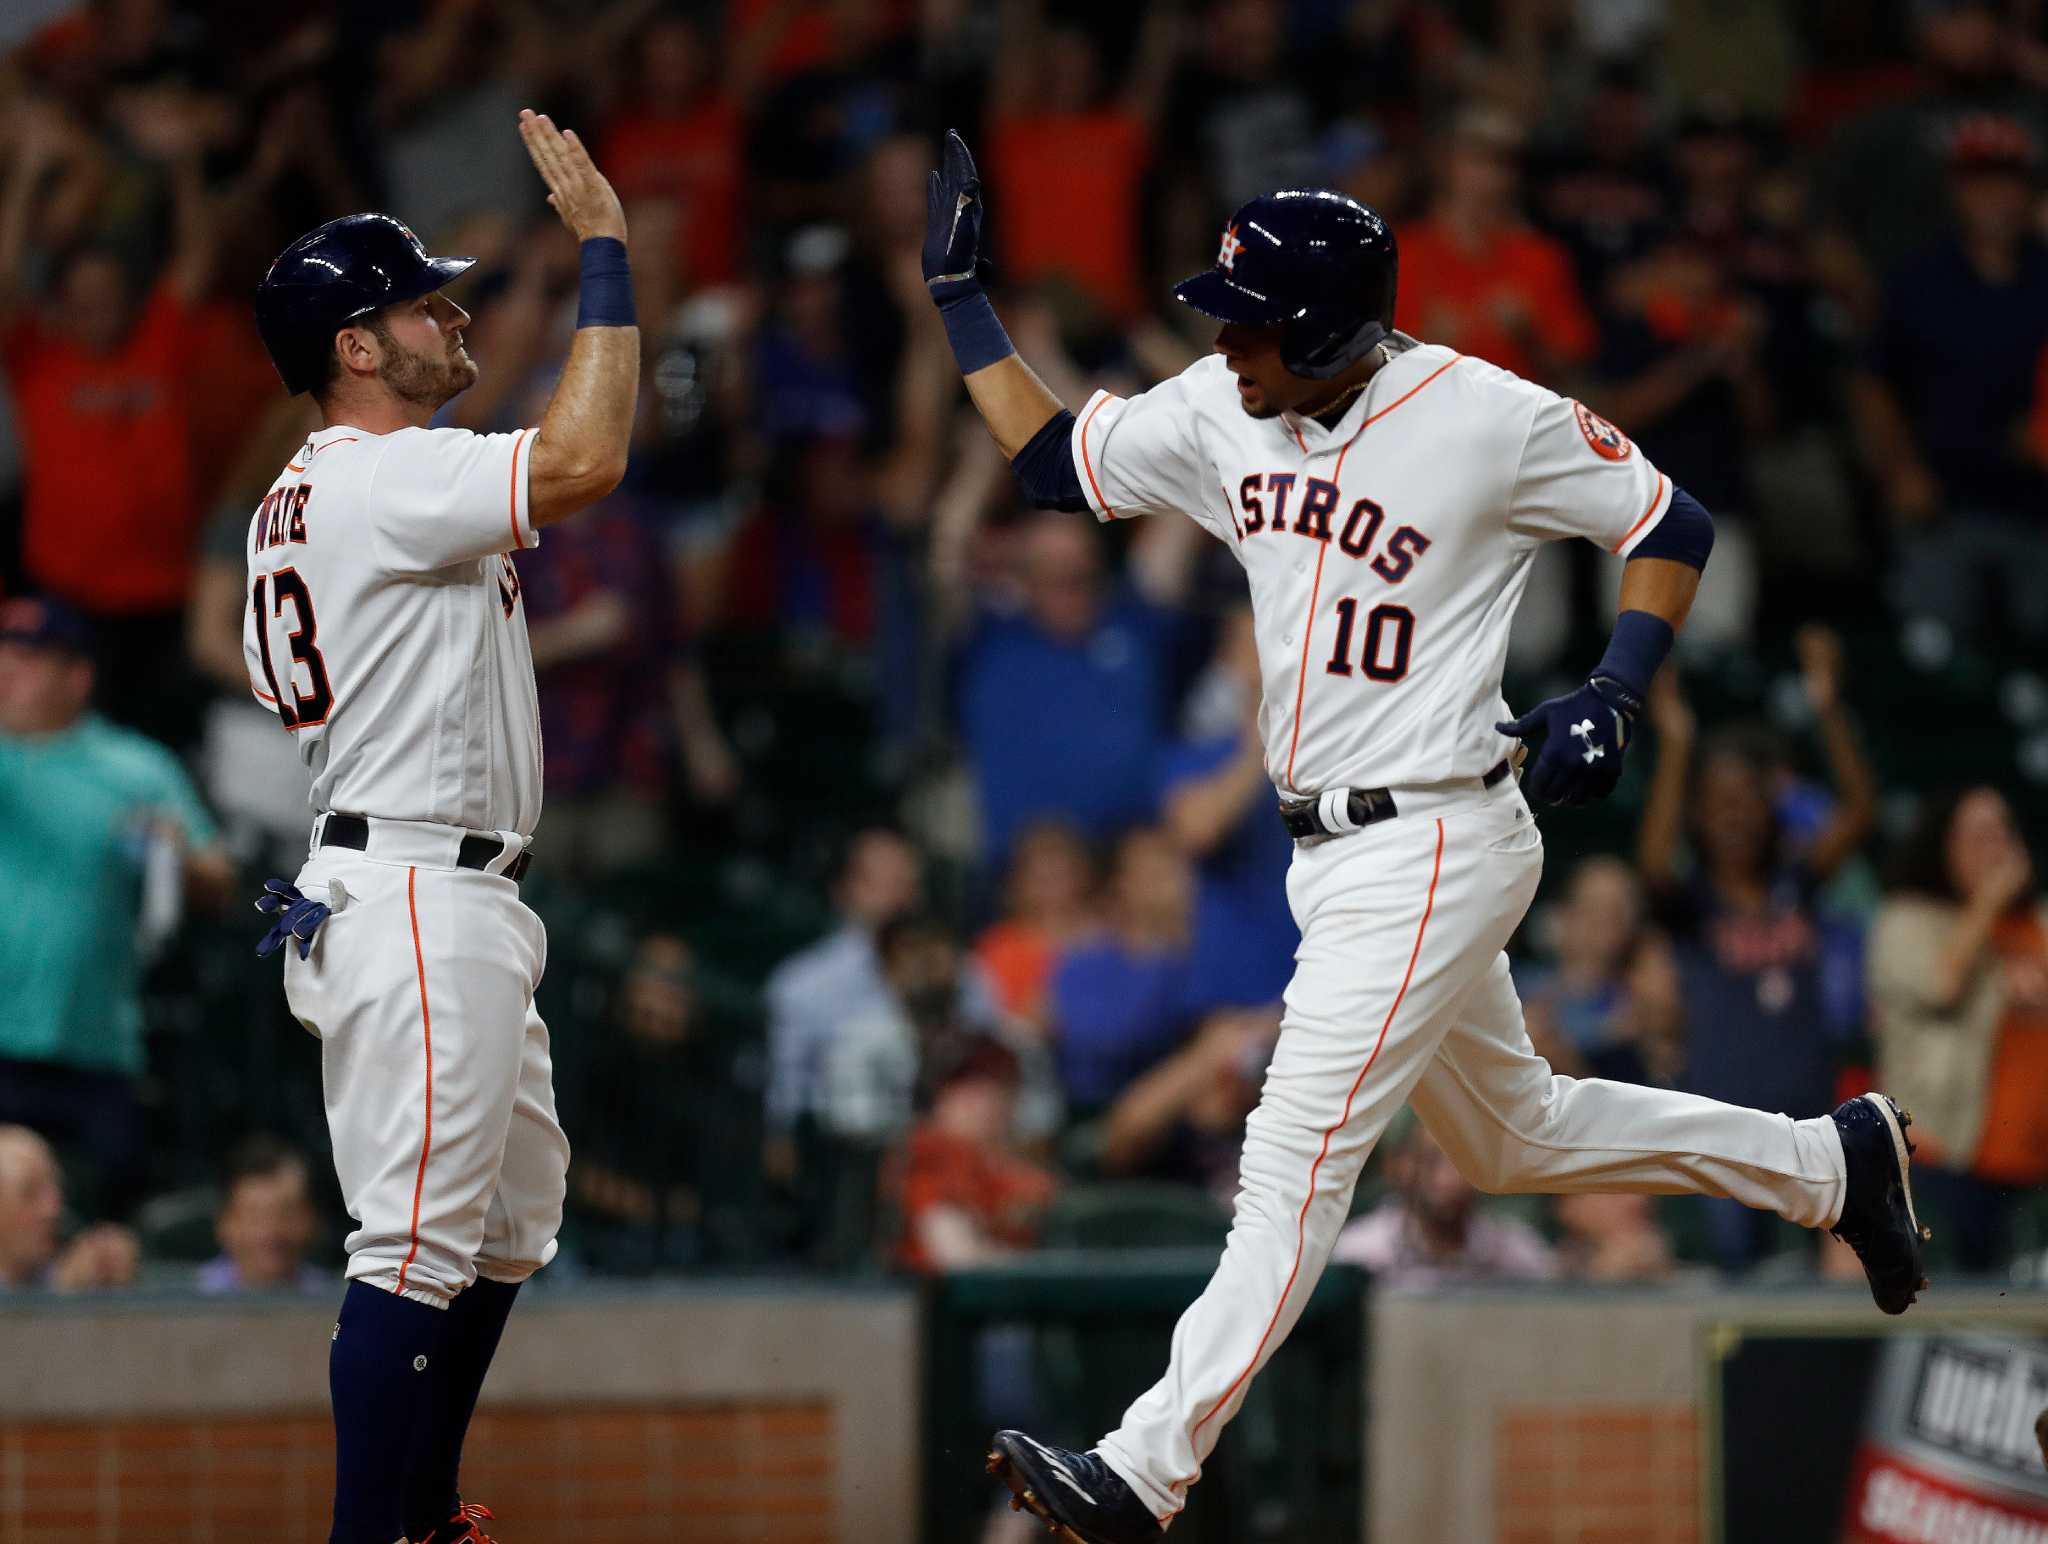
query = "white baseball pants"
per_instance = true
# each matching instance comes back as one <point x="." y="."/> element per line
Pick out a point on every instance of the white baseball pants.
<point x="1401" y="994"/>
<point x="438" y="1083"/>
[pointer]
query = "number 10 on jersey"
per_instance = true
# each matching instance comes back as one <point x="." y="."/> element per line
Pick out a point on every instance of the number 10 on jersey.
<point x="1389" y="630"/>
<point x="298" y="709"/>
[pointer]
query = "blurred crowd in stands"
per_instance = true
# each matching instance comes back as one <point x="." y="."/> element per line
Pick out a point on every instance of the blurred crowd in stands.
<point x="913" y="885"/>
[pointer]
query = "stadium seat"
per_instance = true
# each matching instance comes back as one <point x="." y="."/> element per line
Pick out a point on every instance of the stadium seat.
<point x="1137" y="1214"/>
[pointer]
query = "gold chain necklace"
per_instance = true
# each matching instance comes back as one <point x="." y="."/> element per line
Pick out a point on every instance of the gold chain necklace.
<point x="1342" y="400"/>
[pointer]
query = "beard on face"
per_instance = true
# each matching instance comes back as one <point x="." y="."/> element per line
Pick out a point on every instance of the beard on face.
<point x="423" y="379"/>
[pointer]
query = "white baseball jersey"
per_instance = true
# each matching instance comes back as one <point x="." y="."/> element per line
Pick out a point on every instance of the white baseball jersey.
<point x="384" y="624"/>
<point x="1385" y="556"/>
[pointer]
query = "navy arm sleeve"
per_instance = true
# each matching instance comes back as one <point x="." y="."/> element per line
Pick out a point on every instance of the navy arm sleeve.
<point x="1685" y="534"/>
<point x="1044" y="468"/>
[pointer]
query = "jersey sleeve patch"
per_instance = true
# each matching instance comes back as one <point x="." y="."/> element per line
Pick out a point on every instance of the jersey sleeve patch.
<point x="1608" y="442"/>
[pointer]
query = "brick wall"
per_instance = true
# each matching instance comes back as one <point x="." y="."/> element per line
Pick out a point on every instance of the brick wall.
<point x="1617" y="1474"/>
<point x="740" y="1472"/>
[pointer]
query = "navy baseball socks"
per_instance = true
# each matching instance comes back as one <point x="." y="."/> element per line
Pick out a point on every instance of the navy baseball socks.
<point x="381" y="1372"/>
<point x="1878" y="1220"/>
<point x="1078" y="1496"/>
<point x="476" y="1321"/>
<point x="404" y="1378"/>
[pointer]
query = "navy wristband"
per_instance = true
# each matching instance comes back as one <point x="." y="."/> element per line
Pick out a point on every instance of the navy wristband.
<point x="606" y="298"/>
<point x="1635" y="654"/>
<point x="977" y="337"/>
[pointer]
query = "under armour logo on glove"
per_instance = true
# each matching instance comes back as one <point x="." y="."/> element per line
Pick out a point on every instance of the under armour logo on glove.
<point x="292" y="916"/>
<point x="1572" y="737"/>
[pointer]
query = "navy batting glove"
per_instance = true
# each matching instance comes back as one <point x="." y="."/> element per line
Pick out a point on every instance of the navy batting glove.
<point x="1579" y="740"/>
<point x="292" y="916"/>
<point x="953" y="265"/>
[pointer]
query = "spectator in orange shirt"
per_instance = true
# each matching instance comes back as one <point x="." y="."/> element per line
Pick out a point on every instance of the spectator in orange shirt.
<point x="966" y="1196"/>
<point x="101" y="374"/>
<point x="1958" y="970"/>
<point x="1067" y="155"/>
<point x="1476" y="277"/>
<point x="680" y="137"/>
<point x="793" y="37"/>
<point x="1048" y="902"/>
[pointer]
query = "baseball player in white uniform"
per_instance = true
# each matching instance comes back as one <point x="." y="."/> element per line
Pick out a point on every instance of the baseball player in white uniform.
<point x="385" y="629"/>
<point x="1385" y="498"/>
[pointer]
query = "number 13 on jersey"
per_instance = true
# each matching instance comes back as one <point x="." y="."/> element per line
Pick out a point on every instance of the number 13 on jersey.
<point x="309" y="697"/>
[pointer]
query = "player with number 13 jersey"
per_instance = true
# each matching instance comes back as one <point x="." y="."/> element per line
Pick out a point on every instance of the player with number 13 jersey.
<point x="385" y="628"/>
<point x="413" y="699"/>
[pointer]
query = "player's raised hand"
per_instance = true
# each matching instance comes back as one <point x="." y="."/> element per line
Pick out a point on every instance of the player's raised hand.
<point x="952" y="230"/>
<point x="577" y="190"/>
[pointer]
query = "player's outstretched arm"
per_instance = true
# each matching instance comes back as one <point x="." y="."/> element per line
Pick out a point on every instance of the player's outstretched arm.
<point x="1013" y="402"/>
<point x="579" y="455"/>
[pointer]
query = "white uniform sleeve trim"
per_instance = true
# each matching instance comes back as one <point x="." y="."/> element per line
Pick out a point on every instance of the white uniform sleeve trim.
<point x="519" y="496"/>
<point x="1088" y="453"/>
<point x="1660" y="502"/>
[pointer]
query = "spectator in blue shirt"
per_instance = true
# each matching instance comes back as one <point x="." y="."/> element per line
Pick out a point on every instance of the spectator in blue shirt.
<point x="807" y="378"/>
<point x="1218" y="804"/>
<point x="1119" y="1002"/>
<point x="1948" y="388"/>
<point x="820" y="987"/>
<point x="102" y="839"/>
<point x="1581" y="1004"/>
<point x="1742" y="918"/>
<point x="266" y="1225"/>
<point x="1063" y="703"/>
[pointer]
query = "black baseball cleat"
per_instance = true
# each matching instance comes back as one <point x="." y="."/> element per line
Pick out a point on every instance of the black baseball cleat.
<point x="1081" y="1499"/>
<point x="1878" y="1220"/>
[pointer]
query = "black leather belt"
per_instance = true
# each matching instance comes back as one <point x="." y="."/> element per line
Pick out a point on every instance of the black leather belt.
<point x="476" y="852"/>
<point x="1365" y="806"/>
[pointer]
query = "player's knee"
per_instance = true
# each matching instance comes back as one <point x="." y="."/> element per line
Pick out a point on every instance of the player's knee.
<point x="1488" y="1173"/>
<point x="1505" y="1166"/>
<point x="521" y="1238"/>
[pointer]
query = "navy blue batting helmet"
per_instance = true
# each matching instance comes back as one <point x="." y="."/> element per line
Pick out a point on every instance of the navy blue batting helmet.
<point x="1320" y="264"/>
<point x="333" y="274"/>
